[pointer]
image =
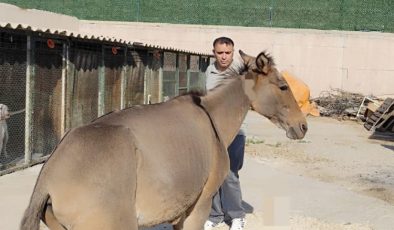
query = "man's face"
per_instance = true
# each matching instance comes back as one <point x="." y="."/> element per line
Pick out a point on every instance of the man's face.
<point x="224" y="55"/>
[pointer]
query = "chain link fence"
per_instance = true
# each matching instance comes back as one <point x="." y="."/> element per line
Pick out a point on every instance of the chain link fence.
<point x="154" y="77"/>
<point x="46" y="101"/>
<point x="53" y="84"/>
<point x="113" y="63"/>
<point x="359" y="15"/>
<point x="12" y="94"/>
<point x="83" y="82"/>
<point x="135" y="80"/>
<point x="169" y="75"/>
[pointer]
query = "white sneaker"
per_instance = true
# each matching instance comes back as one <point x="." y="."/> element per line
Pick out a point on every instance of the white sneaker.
<point x="210" y="225"/>
<point x="238" y="224"/>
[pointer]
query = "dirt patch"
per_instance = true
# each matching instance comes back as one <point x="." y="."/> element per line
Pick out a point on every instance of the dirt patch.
<point x="335" y="152"/>
<point x="301" y="223"/>
<point x="256" y="221"/>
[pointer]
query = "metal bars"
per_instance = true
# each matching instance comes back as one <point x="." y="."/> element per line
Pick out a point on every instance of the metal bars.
<point x="53" y="84"/>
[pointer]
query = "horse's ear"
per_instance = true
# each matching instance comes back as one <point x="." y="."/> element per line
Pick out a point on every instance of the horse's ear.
<point x="248" y="60"/>
<point x="263" y="63"/>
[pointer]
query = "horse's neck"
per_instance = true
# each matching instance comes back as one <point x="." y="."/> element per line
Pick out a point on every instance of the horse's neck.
<point x="227" y="105"/>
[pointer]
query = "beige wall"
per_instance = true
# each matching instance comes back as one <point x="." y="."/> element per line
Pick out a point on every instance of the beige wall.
<point x="360" y="62"/>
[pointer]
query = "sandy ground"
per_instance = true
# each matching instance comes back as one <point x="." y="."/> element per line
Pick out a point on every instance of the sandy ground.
<point x="335" y="178"/>
<point x="345" y="180"/>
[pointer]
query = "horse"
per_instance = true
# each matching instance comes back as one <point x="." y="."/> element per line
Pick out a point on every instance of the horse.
<point x="161" y="163"/>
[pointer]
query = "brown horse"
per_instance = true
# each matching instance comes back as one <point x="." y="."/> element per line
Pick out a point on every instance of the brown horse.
<point x="148" y="165"/>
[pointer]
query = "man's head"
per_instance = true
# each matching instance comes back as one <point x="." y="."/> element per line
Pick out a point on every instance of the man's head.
<point x="223" y="50"/>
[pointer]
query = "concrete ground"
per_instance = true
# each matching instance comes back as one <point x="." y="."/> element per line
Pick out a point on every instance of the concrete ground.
<point x="336" y="178"/>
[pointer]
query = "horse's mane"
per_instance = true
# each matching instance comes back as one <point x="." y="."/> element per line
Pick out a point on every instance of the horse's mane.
<point x="194" y="93"/>
<point x="268" y="56"/>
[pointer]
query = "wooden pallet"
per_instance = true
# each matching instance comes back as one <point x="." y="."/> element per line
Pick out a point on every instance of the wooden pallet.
<point x="382" y="120"/>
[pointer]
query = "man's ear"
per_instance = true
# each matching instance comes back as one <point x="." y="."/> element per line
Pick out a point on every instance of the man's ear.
<point x="250" y="62"/>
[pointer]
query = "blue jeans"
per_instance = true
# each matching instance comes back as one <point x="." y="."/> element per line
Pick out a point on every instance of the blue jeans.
<point x="227" y="202"/>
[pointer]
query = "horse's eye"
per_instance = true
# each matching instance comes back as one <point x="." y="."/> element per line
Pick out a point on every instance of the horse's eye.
<point x="283" y="87"/>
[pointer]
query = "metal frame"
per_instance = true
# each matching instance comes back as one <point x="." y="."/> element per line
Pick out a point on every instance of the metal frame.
<point x="67" y="77"/>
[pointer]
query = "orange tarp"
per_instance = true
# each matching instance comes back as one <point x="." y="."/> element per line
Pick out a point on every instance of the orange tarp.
<point x="301" y="93"/>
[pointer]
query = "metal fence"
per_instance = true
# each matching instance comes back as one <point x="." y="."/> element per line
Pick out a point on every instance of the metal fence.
<point x="359" y="15"/>
<point x="52" y="84"/>
<point x="13" y="94"/>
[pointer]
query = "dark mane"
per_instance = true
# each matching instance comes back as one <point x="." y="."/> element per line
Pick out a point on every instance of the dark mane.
<point x="195" y="93"/>
<point x="268" y="56"/>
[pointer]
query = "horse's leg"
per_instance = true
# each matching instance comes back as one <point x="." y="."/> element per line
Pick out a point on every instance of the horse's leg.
<point x="179" y="223"/>
<point x="199" y="213"/>
<point x="111" y="218"/>
<point x="50" y="220"/>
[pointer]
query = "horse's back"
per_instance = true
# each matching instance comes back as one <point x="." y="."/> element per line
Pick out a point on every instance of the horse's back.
<point x="174" y="145"/>
<point x="154" y="159"/>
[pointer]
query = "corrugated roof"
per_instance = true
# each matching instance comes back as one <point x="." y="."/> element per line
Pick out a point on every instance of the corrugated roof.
<point x="13" y="17"/>
<point x="62" y="32"/>
<point x="150" y="46"/>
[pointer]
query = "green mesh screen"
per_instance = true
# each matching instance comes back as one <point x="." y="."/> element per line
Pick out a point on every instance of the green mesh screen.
<point x="360" y="15"/>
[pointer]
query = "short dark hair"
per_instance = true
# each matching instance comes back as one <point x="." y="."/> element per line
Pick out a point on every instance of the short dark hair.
<point x="223" y="40"/>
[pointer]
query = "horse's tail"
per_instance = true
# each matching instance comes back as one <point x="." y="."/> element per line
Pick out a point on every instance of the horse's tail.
<point x="34" y="212"/>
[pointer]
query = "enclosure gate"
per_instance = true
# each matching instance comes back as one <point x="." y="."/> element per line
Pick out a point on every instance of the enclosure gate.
<point x="52" y="84"/>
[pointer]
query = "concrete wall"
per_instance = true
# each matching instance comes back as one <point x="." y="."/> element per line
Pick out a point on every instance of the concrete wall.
<point x="360" y="62"/>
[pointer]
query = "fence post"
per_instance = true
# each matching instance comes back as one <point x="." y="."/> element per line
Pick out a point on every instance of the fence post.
<point x="202" y="67"/>
<point x="161" y="77"/>
<point x="70" y="78"/>
<point x="177" y="75"/>
<point x="188" y="75"/>
<point x="138" y="10"/>
<point x="146" y="81"/>
<point x="270" y="13"/>
<point x="123" y="82"/>
<point x="29" y="97"/>
<point x="101" y="82"/>
<point x="64" y="84"/>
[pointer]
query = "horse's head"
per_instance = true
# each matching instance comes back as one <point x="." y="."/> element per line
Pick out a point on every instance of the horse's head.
<point x="270" y="95"/>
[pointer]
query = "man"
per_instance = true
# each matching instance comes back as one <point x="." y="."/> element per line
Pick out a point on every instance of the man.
<point x="227" y="202"/>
